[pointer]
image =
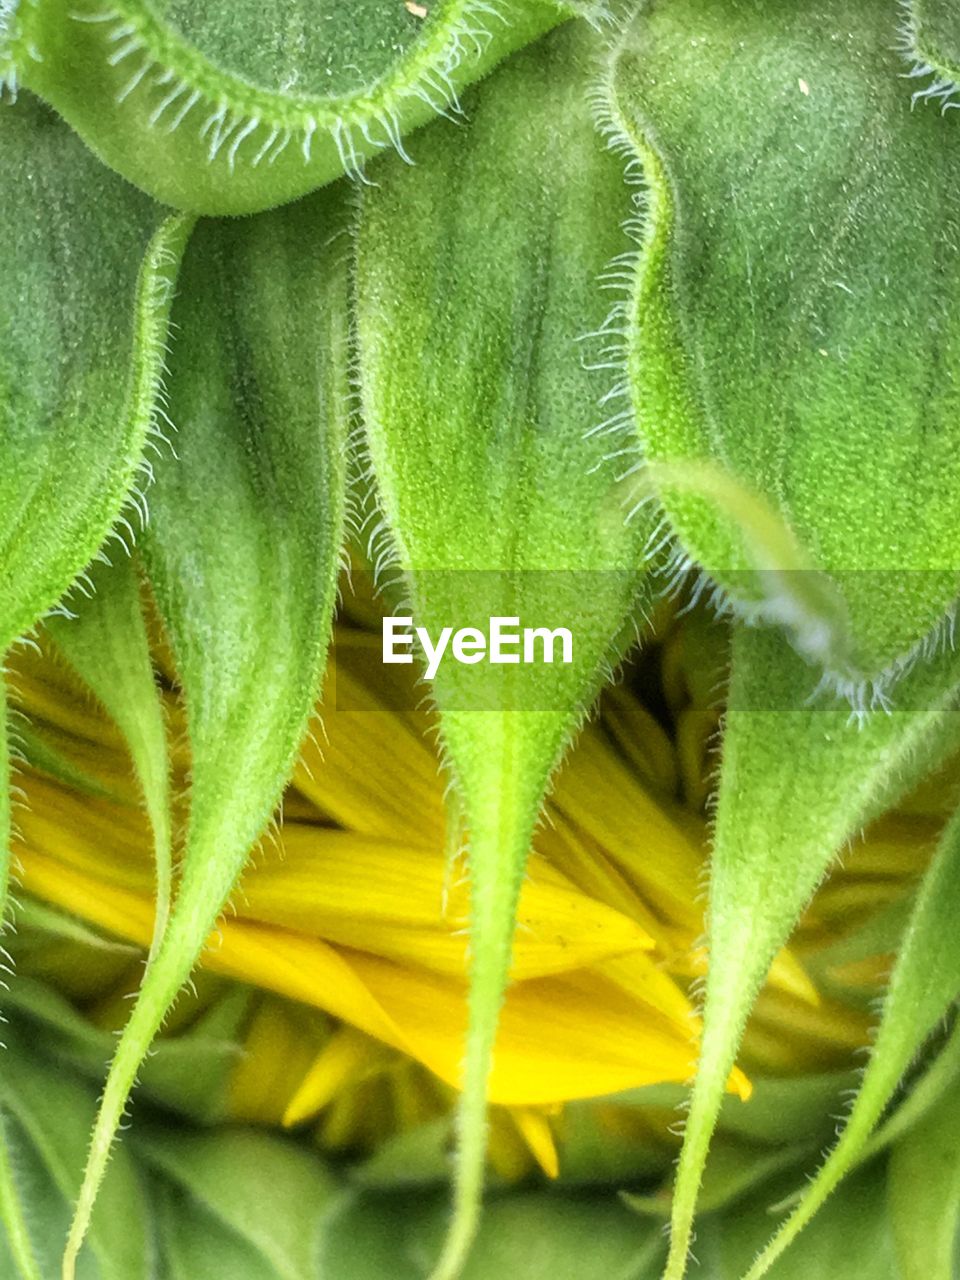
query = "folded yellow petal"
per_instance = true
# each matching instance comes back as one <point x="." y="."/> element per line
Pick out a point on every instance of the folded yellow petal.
<point x="347" y="1056"/>
<point x="547" y="1023"/>
<point x="659" y="847"/>
<point x="353" y="924"/>
<point x="279" y="1045"/>
<point x="349" y="768"/>
<point x="387" y="897"/>
<point x="534" y="1128"/>
<point x="640" y="739"/>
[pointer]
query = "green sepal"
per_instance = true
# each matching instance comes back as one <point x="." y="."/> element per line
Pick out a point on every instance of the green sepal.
<point x="733" y="1171"/>
<point x="234" y="109"/>
<point x="87" y="269"/>
<point x="782" y="1109"/>
<point x="477" y="275"/>
<point x="850" y="1240"/>
<point x="178" y="1202"/>
<point x="799" y="778"/>
<point x="940" y="1080"/>
<point x="924" y="983"/>
<point x="793" y="347"/>
<point x="242" y="552"/>
<point x="108" y="647"/>
<point x="930" y="40"/>
<point x="923" y="1194"/>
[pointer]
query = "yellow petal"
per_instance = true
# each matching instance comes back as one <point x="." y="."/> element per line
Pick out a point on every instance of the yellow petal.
<point x="581" y="860"/>
<point x="562" y="1037"/>
<point x="346" y="1057"/>
<point x="641" y="978"/>
<point x="280" y="1043"/>
<point x="898" y="845"/>
<point x="534" y="1128"/>
<point x="358" y="1117"/>
<point x="368" y="768"/>
<point x="640" y="739"/>
<point x="49" y="692"/>
<point x="697" y="731"/>
<point x="820" y="1039"/>
<point x="91" y="834"/>
<point x="387" y="897"/>
<point x="788" y="974"/>
<point x="658" y="846"/>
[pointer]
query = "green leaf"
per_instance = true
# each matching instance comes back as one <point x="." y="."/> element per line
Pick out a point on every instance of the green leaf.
<point x="198" y="1247"/>
<point x="477" y="274"/>
<point x="798" y="780"/>
<point x="188" y="1073"/>
<point x="793" y="347"/>
<point x="261" y="1189"/>
<point x="108" y="647"/>
<point x="923" y="1193"/>
<point x="232" y="108"/>
<point x="55" y="1112"/>
<point x="87" y="267"/>
<point x="528" y="1235"/>
<point x="242" y="552"/>
<point x="364" y="1238"/>
<point x="924" y="983"/>
<point x="941" y="1078"/>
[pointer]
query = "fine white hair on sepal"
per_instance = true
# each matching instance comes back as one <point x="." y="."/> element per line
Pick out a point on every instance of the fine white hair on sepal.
<point x="14" y="46"/>
<point x="246" y="124"/>
<point x="808" y="632"/>
<point x="941" y="87"/>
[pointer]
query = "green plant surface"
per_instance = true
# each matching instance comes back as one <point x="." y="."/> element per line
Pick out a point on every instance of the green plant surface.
<point x="476" y="276"/>
<point x="931" y="39"/>
<point x="106" y="643"/>
<point x="226" y="109"/>
<point x="49" y="1114"/>
<point x="793" y="344"/>
<point x="278" y="1214"/>
<point x="798" y="781"/>
<point x="923" y="1193"/>
<point x="924" y="985"/>
<point x="242" y="553"/>
<point x="85" y="289"/>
